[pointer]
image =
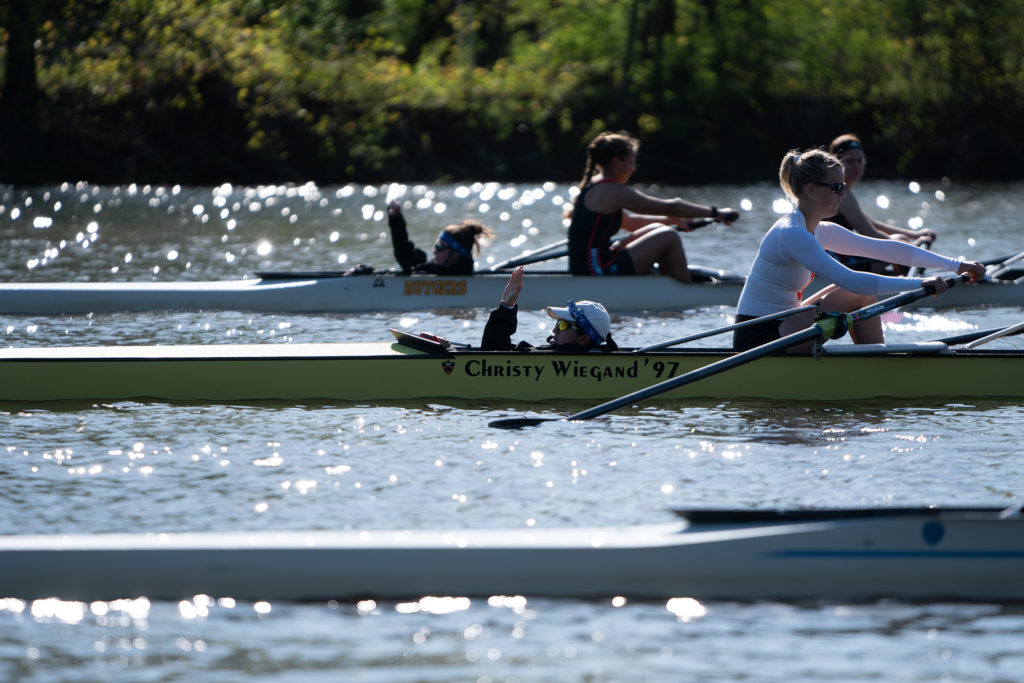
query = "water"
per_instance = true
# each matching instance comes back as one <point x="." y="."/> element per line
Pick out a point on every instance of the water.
<point x="133" y="466"/>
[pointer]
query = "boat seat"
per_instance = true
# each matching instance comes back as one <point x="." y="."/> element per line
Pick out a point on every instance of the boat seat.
<point x="930" y="347"/>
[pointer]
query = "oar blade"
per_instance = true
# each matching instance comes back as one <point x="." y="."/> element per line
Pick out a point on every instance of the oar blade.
<point x="520" y="422"/>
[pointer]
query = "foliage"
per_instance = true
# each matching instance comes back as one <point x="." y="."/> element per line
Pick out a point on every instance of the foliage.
<point x="258" y="90"/>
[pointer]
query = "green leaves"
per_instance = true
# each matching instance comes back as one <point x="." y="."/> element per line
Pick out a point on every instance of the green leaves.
<point x="366" y="85"/>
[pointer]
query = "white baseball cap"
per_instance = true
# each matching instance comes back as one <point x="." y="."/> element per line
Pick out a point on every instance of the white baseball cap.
<point x="590" y="315"/>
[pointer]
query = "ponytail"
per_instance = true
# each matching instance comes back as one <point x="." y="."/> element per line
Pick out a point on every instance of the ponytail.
<point x="799" y="168"/>
<point x="604" y="148"/>
<point x="470" y="234"/>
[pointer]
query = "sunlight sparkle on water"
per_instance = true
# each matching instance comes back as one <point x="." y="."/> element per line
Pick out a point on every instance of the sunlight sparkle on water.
<point x="434" y="605"/>
<point x="685" y="609"/>
<point x="70" y="612"/>
<point x="782" y="205"/>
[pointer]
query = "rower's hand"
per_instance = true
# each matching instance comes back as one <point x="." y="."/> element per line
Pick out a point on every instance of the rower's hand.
<point x="934" y="283"/>
<point x="394" y="208"/>
<point x="728" y="216"/>
<point x="975" y="270"/>
<point x="513" y="288"/>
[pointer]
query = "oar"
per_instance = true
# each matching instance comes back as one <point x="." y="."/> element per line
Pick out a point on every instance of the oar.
<point x="968" y="337"/>
<point x="1000" y="268"/>
<point x="821" y="330"/>
<point x="1005" y="332"/>
<point x="548" y="252"/>
<point x="534" y="256"/>
<point x="728" y="328"/>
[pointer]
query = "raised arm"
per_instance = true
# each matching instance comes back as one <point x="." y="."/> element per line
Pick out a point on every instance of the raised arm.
<point x="406" y="253"/>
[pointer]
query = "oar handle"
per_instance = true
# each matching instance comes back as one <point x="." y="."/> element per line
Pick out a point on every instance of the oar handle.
<point x="699" y="223"/>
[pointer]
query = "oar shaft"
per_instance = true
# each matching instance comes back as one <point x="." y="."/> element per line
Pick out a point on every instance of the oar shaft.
<point x="1001" y="268"/>
<point x="541" y="254"/>
<point x="728" y="328"/>
<point x="823" y="329"/>
<point x="548" y="253"/>
<point x="703" y="372"/>
<point x="1005" y="332"/>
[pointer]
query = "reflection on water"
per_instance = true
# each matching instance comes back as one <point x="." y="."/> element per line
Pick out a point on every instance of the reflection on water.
<point x="88" y="232"/>
<point x="510" y="638"/>
<point x="135" y="466"/>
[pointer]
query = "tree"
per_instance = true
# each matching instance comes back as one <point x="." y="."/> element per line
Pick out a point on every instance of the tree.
<point x="19" y="128"/>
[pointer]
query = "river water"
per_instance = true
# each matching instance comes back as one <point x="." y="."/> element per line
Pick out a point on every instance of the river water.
<point x="138" y="467"/>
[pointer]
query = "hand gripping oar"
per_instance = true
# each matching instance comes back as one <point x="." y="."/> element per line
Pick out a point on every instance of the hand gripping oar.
<point x="728" y="328"/>
<point x="561" y="248"/>
<point x="823" y="329"/>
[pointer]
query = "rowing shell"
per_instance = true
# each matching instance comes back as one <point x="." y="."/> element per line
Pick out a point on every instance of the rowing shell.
<point x="327" y="292"/>
<point x="913" y="554"/>
<point x="396" y="372"/>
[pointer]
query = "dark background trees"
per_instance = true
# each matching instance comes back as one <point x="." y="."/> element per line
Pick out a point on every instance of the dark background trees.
<point x="205" y="91"/>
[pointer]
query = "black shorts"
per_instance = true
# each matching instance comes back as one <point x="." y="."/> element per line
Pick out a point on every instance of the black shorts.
<point x="622" y="265"/>
<point x="752" y="336"/>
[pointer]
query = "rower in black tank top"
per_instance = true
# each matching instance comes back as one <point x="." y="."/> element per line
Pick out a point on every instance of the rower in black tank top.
<point x="590" y="239"/>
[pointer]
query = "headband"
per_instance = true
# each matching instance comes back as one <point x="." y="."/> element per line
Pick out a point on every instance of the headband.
<point x="455" y="245"/>
<point x="845" y="145"/>
<point x="581" y="319"/>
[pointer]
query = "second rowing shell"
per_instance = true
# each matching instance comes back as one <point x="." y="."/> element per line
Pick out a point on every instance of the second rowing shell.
<point x="316" y="293"/>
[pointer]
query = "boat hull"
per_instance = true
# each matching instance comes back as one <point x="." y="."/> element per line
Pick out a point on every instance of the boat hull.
<point x="384" y="372"/>
<point x="973" y="555"/>
<point x="410" y="293"/>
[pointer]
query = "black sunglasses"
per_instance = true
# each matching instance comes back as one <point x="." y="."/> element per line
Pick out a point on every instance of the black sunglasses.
<point x="837" y="188"/>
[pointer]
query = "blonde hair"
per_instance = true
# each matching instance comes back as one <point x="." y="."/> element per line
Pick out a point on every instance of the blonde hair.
<point x="799" y="168"/>
<point x="604" y="148"/>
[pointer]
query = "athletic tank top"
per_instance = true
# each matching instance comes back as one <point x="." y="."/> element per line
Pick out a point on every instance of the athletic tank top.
<point x="590" y="238"/>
